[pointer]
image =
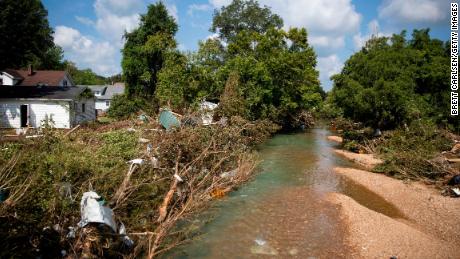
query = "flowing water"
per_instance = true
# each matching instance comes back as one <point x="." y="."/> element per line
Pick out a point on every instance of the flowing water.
<point x="282" y="211"/>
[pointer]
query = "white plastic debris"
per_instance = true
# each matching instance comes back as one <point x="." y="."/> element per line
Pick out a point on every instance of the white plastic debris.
<point x="178" y="178"/>
<point x="456" y="191"/>
<point x="94" y="212"/>
<point x="71" y="233"/>
<point x="206" y="109"/>
<point x="144" y="140"/>
<point x="131" y="130"/>
<point x="229" y="174"/>
<point x="137" y="161"/>
<point x="149" y="148"/>
<point x="155" y="162"/>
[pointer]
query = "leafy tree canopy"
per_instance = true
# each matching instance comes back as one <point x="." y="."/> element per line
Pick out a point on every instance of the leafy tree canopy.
<point x="145" y="49"/>
<point x="243" y="15"/>
<point x="26" y="36"/>
<point x="392" y="81"/>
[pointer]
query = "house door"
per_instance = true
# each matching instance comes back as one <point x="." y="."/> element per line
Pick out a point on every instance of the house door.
<point x="24" y="115"/>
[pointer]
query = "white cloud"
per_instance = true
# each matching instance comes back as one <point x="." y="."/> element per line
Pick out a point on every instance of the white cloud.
<point x="100" y="56"/>
<point x="198" y="8"/>
<point x="172" y="10"/>
<point x="373" y="30"/>
<point x="219" y="3"/>
<point x="85" y="20"/>
<point x="328" y="42"/>
<point x="414" y="11"/>
<point x="328" y="66"/>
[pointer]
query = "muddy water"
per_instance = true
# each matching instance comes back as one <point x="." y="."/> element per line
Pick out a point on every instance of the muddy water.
<point x="282" y="212"/>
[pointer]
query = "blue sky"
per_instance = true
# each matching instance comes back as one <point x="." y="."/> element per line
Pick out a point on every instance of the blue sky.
<point x="90" y="31"/>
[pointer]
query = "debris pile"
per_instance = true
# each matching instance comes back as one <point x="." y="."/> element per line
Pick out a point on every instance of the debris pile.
<point x="71" y="192"/>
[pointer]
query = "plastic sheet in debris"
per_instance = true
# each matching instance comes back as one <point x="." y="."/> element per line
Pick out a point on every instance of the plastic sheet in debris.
<point x="168" y="120"/>
<point x="92" y="211"/>
<point x="207" y="114"/>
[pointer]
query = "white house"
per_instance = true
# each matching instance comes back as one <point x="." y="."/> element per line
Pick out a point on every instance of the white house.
<point x="32" y="106"/>
<point x="105" y="93"/>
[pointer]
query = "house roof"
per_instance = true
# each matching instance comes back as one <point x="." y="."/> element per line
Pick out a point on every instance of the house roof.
<point x="39" y="77"/>
<point x="107" y="91"/>
<point x="94" y="88"/>
<point x="41" y="92"/>
<point x="112" y="90"/>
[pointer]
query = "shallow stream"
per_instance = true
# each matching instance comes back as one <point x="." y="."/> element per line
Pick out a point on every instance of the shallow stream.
<point x="282" y="211"/>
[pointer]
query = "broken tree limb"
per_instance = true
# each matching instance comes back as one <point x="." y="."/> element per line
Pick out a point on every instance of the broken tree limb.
<point x="72" y="130"/>
<point x="163" y="210"/>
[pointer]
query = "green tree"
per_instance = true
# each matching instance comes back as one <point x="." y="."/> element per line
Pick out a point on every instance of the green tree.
<point x="26" y="35"/>
<point x="243" y="15"/>
<point x="145" y="49"/>
<point x="393" y="81"/>
<point x="83" y="77"/>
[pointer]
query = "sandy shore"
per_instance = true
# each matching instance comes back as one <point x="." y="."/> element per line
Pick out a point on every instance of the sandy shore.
<point x="335" y="139"/>
<point x="426" y="207"/>
<point x="367" y="161"/>
<point x="374" y="235"/>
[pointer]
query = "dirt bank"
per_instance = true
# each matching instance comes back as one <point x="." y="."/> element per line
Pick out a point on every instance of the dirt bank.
<point x="335" y="139"/>
<point x="367" y="161"/>
<point x="375" y="235"/>
<point x="429" y="212"/>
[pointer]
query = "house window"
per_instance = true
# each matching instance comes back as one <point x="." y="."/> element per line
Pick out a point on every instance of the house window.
<point x="64" y="83"/>
<point x="83" y="108"/>
<point x="107" y="103"/>
<point x="98" y="93"/>
<point x="1" y="81"/>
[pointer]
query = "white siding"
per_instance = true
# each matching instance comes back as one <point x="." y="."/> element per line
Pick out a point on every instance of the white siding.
<point x="6" y="79"/>
<point x="39" y="111"/>
<point x="66" y="79"/>
<point x="102" y="105"/>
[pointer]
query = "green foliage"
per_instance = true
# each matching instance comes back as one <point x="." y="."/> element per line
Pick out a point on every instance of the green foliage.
<point x="392" y="81"/>
<point x="172" y="80"/>
<point x="277" y="79"/>
<point x="411" y="153"/>
<point x="243" y="15"/>
<point x="83" y="77"/>
<point x="123" y="106"/>
<point x="26" y="35"/>
<point x="145" y="49"/>
<point x="119" y="143"/>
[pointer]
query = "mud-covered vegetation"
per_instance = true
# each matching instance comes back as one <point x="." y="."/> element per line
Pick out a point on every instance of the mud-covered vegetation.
<point x="44" y="179"/>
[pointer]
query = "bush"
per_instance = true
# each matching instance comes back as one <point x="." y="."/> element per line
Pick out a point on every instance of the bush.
<point x="123" y="106"/>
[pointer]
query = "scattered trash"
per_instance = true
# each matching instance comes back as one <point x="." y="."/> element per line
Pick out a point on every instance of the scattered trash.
<point x="454" y="180"/>
<point x="263" y="248"/>
<point x="137" y="161"/>
<point x="131" y="130"/>
<point x="155" y="162"/>
<point x="4" y="195"/>
<point x="168" y="120"/>
<point x="143" y="118"/>
<point x="71" y="233"/>
<point x="127" y="242"/>
<point x="206" y="109"/>
<point x="229" y="174"/>
<point x="223" y="121"/>
<point x="34" y="136"/>
<point x="65" y="190"/>
<point x="178" y="178"/>
<point x="93" y="212"/>
<point x="260" y="241"/>
<point x="456" y="191"/>
<point x="144" y="140"/>
<point x="149" y="148"/>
